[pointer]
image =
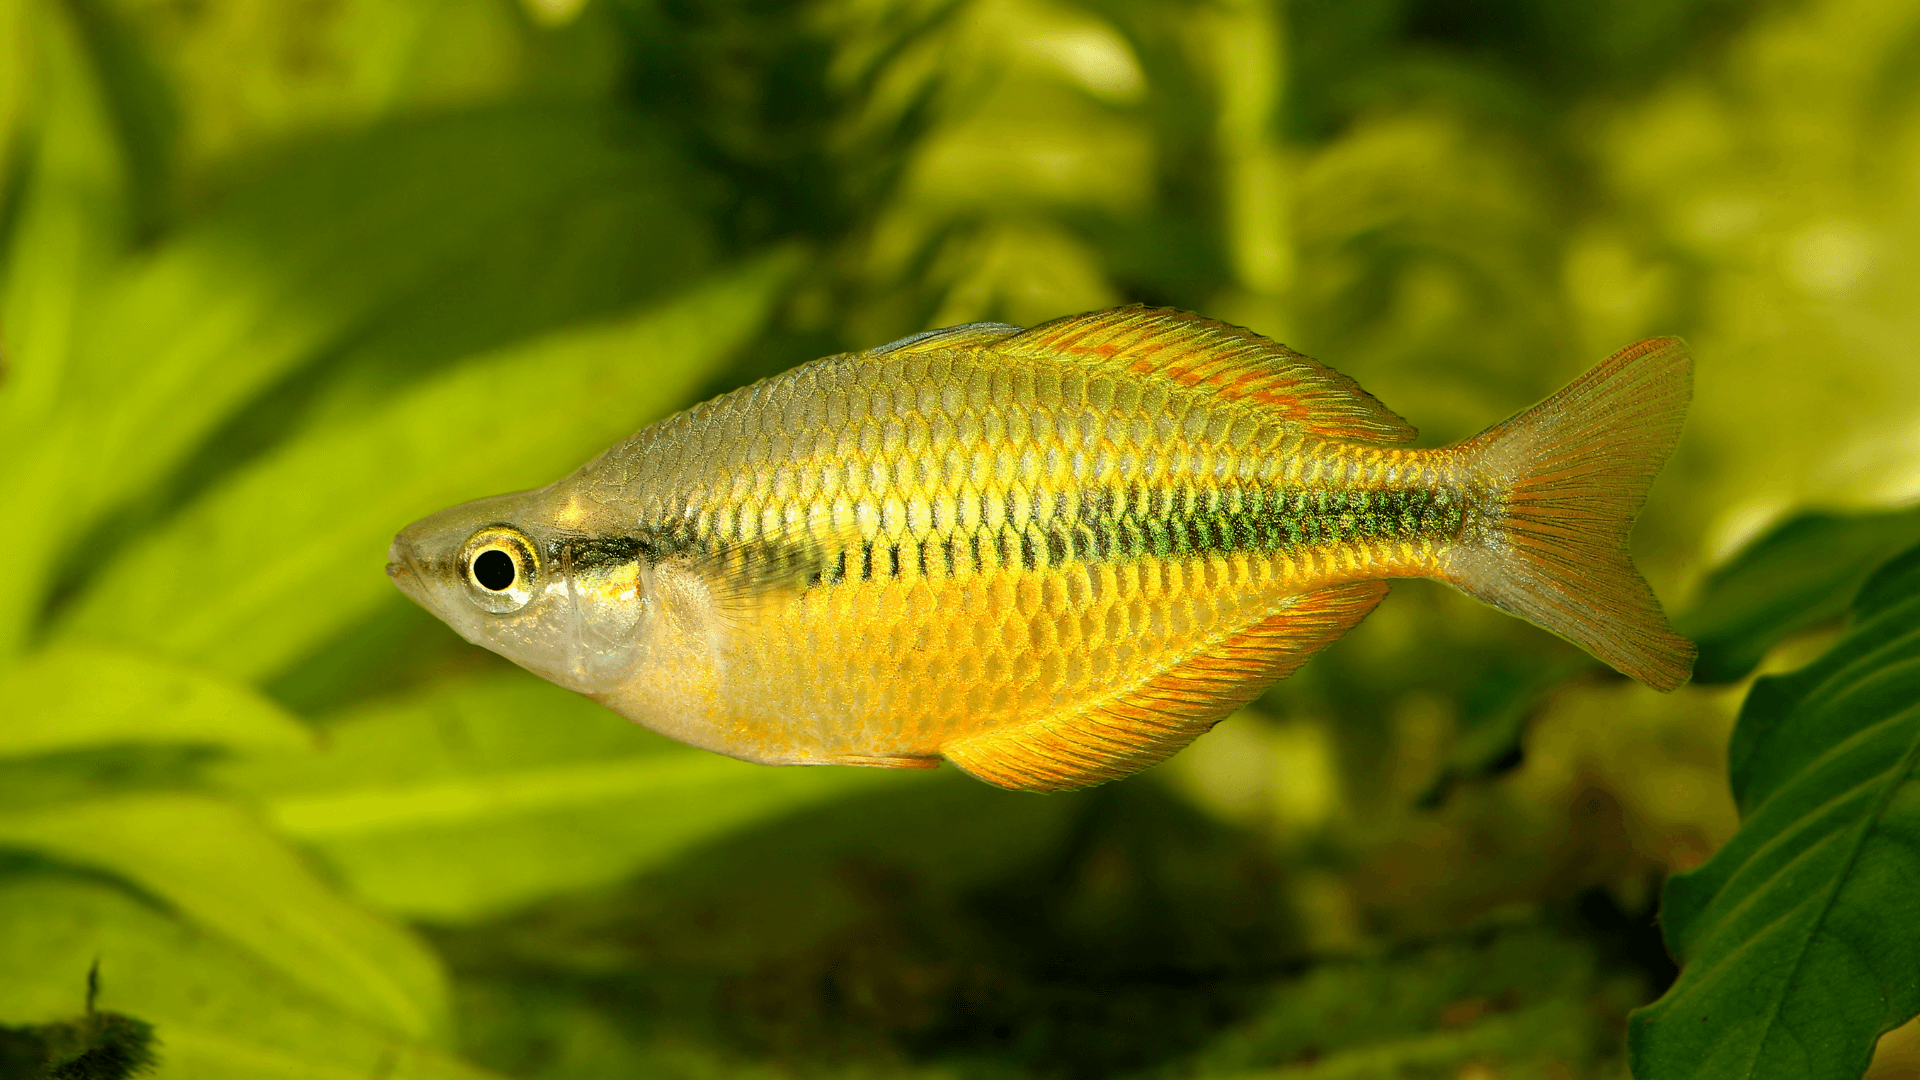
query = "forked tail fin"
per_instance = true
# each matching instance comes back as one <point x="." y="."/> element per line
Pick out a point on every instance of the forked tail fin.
<point x="1574" y="471"/>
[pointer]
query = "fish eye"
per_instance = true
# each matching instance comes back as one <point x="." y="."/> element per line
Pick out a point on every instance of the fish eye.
<point x="494" y="569"/>
<point x="500" y="567"/>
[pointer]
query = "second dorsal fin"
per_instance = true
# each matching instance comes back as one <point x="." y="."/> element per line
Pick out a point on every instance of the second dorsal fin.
<point x="952" y="337"/>
<point x="1234" y="363"/>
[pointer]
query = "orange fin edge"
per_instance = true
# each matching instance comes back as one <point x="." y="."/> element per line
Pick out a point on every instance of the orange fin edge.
<point x="1235" y="363"/>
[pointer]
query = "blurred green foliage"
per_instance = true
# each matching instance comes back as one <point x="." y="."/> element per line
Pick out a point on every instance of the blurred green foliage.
<point x="276" y="279"/>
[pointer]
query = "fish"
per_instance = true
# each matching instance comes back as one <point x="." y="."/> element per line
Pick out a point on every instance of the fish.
<point x="1051" y="556"/>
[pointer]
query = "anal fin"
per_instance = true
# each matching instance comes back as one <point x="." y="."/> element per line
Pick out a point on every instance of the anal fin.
<point x="1147" y="722"/>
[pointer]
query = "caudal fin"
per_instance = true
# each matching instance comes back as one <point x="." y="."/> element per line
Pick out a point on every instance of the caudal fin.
<point x="1574" y="471"/>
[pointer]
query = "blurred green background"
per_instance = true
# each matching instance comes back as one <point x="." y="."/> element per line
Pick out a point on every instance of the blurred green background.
<point x="278" y="277"/>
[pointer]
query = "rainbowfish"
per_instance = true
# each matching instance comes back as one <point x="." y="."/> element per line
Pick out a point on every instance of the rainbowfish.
<point x="1051" y="556"/>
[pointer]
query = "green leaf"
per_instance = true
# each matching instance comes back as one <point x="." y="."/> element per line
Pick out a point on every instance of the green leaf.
<point x="216" y="864"/>
<point x="1796" y="937"/>
<point x="284" y="270"/>
<point x="300" y="537"/>
<point x="218" y="1013"/>
<point x="77" y="697"/>
<point x="73" y="216"/>
<point x="290" y="265"/>
<point x="465" y="801"/>
<point x="1799" y="575"/>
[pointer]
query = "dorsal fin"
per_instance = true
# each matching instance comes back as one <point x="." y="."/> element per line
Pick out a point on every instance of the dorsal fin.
<point x="1150" y="721"/>
<point x="952" y="337"/>
<point x="1236" y="364"/>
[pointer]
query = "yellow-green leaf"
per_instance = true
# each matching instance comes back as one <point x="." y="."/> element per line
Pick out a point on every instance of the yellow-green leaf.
<point x="464" y="801"/>
<point x="213" y="862"/>
<point x="293" y="547"/>
<point x="81" y="696"/>
<point x="217" y="1013"/>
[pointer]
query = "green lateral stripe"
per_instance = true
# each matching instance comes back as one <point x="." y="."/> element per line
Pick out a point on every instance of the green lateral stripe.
<point x="1111" y="525"/>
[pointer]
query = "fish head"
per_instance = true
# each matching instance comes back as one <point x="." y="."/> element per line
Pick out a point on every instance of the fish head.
<point x="503" y="573"/>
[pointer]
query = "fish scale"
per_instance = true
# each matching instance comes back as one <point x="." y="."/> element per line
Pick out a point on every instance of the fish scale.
<point x="1052" y="556"/>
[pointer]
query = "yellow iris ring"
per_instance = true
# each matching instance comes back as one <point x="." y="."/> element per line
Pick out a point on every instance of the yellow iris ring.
<point x="515" y="545"/>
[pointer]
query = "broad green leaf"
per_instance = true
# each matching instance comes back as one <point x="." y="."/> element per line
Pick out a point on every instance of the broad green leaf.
<point x="218" y="1013"/>
<point x="299" y="538"/>
<point x="468" y="800"/>
<point x="289" y="264"/>
<point x="214" y="863"/>
<point x="285" y="269"/>
<point x="1796" y="937"/>
<point x="75" y="697"/>
<point x="1799" y="575"/>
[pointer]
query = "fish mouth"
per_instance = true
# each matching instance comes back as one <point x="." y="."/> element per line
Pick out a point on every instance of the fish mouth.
<point x="401" y="571"/>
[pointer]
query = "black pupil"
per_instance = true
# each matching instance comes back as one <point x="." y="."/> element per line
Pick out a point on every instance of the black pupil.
<point x="493" y="568"/>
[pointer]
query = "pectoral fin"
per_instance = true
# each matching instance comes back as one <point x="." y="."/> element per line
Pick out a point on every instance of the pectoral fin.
<point x="1149" y="721"/>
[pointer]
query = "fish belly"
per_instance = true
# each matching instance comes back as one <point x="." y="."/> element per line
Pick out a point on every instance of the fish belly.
<point x="900" y="669"/>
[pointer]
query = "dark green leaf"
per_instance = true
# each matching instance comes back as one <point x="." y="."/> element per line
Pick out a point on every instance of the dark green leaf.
<point x="1796" y="936"/>
<point x="1799" y="575"/>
